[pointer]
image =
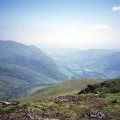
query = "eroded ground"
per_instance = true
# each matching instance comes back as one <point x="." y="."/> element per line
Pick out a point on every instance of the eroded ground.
<point x="74" y="107"/>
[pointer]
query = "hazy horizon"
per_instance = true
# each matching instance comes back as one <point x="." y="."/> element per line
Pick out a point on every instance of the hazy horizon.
<point x="88" y="24"/>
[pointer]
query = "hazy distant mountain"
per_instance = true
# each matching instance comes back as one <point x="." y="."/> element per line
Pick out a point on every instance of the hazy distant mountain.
<point x="22" y="67"/>
<point x="30" y="57"/>
<point x="100" y="63"/>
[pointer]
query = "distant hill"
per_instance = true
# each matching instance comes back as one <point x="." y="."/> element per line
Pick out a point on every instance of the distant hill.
<point x="29" y="56"/>
<point x="77" y="63"/>
<point x="64" y="88"/>
<point x="111" y="62"/>
<point x="25" y="74"/>
<point x="23" y="67"/>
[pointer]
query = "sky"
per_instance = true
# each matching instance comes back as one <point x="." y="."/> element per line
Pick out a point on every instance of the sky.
<point x="81" y="23"/>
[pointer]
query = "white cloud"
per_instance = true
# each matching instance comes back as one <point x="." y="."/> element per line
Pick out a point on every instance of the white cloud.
<point x="116" y="8"/>
<point x="100" y="27"/>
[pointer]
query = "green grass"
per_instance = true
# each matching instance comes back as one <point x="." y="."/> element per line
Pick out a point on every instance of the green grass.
<point x="109" y="86"/>
<point x="69" y="110"/>
<point x="64" y="88"/>
<point x="108" y="99"/>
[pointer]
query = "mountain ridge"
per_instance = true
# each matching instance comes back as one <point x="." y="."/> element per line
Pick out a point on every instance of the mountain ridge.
<point x="27" y="66"/>
<point x="77" y="63"/>
<point x="30" y="57"/>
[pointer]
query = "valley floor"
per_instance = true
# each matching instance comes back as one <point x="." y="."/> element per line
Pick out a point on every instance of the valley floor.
<point x="69" y="107"/>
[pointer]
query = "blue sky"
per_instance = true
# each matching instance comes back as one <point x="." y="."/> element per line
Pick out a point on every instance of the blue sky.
<point x="85" y="23"/>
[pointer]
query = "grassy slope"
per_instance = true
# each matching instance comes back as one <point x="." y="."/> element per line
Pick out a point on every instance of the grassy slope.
<point x="110" y="92"/>
<point x="11" y="87"/>
<point x="15" y="79"/>
<point x="65" y="108"/>
<point x="24" y="73"/>
<point x="68" y="87"/>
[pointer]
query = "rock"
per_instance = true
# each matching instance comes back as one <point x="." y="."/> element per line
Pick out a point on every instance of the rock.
<point x="5" y="103"/>
<point x="97" y="115"/>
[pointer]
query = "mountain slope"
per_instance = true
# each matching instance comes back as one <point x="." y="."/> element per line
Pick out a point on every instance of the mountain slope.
<point x="67" y="107"/>
<point x="64" y="88"/>
<point x="98" y="63"/>
<point x="25" y="74"/>
<point x="29" y="56"/>
<point x="12" y="88"/>
<point x="24" y="67"/>
<point x="16" y="80"/>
